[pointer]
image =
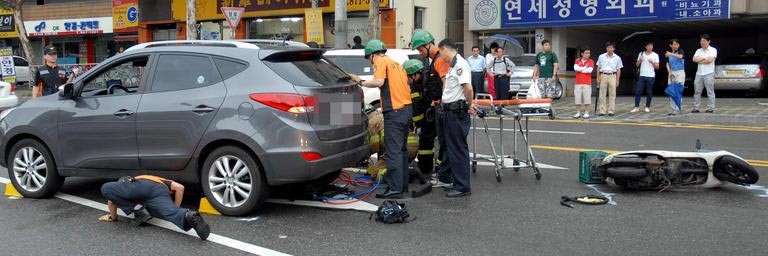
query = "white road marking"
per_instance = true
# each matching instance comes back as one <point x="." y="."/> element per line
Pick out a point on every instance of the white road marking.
<point x="222" y="240"/>
<point x="359" y="205"/>
<point x="532" y="131"/>
<point x="607" y="195"/>
<point x="482" y="160"/>
<point x="758" y="188"/>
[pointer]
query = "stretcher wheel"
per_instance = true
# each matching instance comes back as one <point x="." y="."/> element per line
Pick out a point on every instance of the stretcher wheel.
<point x="516" y="163"/>
<point x="537" y="172"/>
<point x="474" y="166"/>
<point x="498" y="174"/>
<point x="552" y="114"/>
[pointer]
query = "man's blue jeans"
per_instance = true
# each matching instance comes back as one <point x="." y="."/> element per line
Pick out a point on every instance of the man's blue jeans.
<point x="644" y="84"/>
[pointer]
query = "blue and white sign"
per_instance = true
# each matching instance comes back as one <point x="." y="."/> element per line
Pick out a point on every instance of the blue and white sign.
<point x="551" y="13"/>
<point x="132" y="14"/>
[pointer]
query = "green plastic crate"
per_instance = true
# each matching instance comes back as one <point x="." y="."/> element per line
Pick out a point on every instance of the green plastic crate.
<point x="588" y="159"/>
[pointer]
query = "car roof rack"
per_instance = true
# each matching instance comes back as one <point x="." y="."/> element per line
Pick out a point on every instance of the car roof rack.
<point x="219" y="43"/>
<point x="273" y="43"/>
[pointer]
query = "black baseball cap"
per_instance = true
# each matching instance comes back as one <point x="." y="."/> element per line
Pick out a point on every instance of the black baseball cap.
<point x="50" y="50"/>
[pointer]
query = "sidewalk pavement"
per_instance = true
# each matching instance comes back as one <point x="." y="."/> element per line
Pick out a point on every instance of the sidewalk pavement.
<point x="728" y="111"/>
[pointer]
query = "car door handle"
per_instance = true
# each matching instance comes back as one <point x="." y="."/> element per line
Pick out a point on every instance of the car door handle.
<point x="203" y="109"/>
<point x="123" y="113"/>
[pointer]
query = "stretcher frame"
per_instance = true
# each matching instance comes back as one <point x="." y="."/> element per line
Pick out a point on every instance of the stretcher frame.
<point x="520" y="110"/>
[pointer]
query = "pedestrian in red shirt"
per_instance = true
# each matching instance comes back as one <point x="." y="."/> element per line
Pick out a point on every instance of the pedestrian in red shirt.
<point x="583" y="87"/>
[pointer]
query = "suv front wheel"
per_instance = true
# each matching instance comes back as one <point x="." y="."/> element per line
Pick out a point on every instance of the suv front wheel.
<point x="233" y="181"/>
<point x="32" y="169"/>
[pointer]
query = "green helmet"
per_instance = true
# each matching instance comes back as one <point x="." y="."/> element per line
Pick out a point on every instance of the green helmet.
<point x="373" y="46"/>
<point x="412" y="66"/>
<point x="420" y="38"/>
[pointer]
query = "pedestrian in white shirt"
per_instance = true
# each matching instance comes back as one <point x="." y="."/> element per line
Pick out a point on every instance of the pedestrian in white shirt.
<point x="648" y="62"/>
<point x="477" y="64"/>
<point x="705" y="74"/>
<point x="609" y="73"/>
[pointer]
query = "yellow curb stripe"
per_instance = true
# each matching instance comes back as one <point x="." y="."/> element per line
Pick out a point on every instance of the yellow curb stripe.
<point x="761" y="163"/>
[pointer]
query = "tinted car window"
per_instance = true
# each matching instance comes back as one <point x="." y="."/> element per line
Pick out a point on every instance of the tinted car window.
<point x="353" y="64"/>
<point x="309" y="72"/>
<point x="742" y="60"/>
<point x="524" y="60"/>
<point x="127" y="73"/>
<point x="20" y="62"/>
<point x="179" y="72"/>
<point x="229" y="68"/>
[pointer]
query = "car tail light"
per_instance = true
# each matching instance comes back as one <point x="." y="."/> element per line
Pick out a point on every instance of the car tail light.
<point x="759" y="73"/>
<point x="311" y="156"/>
<point x="13" y="90"/>
<point x="291" y="103"/>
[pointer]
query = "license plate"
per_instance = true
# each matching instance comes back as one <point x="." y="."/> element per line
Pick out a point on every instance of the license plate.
<point x="514" y="87"/>
<point x="734" y="72"/>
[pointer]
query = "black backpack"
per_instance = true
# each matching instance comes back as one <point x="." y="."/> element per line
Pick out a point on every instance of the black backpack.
<point x="390" y="212"/>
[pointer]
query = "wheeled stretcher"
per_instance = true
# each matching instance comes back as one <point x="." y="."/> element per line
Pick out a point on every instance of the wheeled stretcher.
<point x="520" y="110"/>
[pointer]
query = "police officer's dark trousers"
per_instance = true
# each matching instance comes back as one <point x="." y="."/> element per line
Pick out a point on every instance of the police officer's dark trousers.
<point x="396" y="124"/>
<point x="154" y="196"/>
<point x="457" y="151"/>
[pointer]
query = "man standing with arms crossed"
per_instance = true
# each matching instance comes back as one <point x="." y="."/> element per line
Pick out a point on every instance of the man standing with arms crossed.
<point x="390" y="77"/>
<point x="608" y="74"/>
<point x="705" y="74"/>
<point x="458" y="105"/>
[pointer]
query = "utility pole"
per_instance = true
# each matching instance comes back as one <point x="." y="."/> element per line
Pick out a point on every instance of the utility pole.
<point x="18" y="17"/>
<point x="340" y="27"/>
<point x="373" y="20"/>
<point x="192" y="20"/>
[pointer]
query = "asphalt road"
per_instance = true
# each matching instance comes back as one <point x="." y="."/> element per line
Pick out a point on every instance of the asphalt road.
<point x="518" y="216"/>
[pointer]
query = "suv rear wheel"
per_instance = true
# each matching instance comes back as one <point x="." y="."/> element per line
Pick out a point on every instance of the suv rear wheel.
<point x="233" y="181"/>
<point x="32" y="169"/>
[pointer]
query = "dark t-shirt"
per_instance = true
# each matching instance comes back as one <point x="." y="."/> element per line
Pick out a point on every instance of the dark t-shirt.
<point x="546" y="62"/>
<point x="50" y="78"/>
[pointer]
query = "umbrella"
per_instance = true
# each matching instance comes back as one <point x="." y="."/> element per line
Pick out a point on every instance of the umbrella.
<point x="675" y="92"/>
<point x="511" y="46"/>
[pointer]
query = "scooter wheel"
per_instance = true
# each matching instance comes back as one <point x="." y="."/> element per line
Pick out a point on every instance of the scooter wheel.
<point x="735" y="170"/>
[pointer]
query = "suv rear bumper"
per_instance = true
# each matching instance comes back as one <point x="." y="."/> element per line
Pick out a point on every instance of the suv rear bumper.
<point x="290" y="167"/>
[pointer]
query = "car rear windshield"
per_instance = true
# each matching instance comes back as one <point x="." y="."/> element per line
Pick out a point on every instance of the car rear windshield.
<point x="310" y="72"/>
<point x="353" y="64"/>
<point x="524" y="60"/>
<point x="740" y="60"/>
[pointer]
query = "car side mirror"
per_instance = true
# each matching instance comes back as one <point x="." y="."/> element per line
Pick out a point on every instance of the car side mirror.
<point x="68" y="92"/>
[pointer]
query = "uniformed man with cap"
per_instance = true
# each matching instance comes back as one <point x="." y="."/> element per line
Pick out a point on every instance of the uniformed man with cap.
<point x="50" y="76"/>
<point x="431" y="90"/>
<point x="457" y="104"/>
<point x="390" y="77"/>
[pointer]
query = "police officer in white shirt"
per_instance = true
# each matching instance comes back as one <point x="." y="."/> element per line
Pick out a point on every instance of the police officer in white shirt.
<point x="648" y="62"/>
<point x="705" y="74"/>
<point x="458" y="105"/>
<point x="608" y="75"/>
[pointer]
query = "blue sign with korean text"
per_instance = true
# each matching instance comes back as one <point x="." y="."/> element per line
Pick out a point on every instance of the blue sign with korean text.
<point x="548" y="13"/>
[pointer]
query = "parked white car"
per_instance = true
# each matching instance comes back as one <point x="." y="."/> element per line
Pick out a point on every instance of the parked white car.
<point x="353" y="61"/>
<point x="7" y="96"/>
<point x="22" y="70"/>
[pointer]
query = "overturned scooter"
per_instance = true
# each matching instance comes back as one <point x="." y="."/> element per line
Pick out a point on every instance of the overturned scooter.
<point x="656" y="169"/>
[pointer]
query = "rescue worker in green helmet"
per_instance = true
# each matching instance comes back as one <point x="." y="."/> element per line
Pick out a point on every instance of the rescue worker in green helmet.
<point x="432" y="78"/>
<point x="390" y="77"/>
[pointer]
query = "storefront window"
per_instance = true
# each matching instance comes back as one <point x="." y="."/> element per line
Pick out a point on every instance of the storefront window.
<point x="277" y="28"/>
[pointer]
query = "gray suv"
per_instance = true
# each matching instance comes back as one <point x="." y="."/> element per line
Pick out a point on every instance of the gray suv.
<point x="232" y="116"/>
